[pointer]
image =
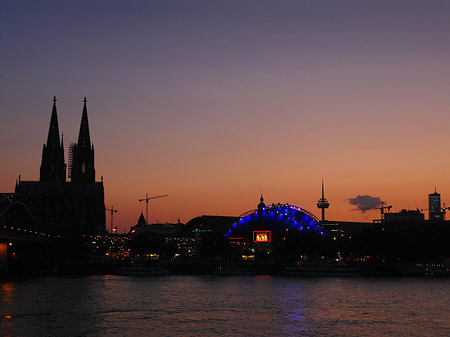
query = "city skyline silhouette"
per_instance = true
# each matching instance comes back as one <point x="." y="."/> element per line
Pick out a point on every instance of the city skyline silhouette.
<point x="212" y="103"/>
<point x="229" y="168"/>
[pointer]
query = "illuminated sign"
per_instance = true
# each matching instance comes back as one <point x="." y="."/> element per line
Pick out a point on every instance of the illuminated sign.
<point x="261" y="236"/>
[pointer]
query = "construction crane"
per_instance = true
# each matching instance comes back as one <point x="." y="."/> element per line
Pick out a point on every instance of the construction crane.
<point x="445" y="208"/>
<point x="112" y="210"/>
<point x="382" y="208"/>
<point x="146" y="199"/>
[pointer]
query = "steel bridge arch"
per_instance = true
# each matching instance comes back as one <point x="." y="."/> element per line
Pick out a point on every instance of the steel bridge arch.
<point x="8" y="200"/>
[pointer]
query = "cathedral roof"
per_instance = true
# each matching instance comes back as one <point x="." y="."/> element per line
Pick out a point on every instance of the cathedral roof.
<point x="42" y="187"/>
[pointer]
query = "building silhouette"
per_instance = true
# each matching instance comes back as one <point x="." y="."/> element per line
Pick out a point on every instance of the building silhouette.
<point x="404" y="216"/>
<point x="75" y="207"/>
<point x="81" y="155"/>
<point x="53" y="166"/>
<point x="434" y="206"/>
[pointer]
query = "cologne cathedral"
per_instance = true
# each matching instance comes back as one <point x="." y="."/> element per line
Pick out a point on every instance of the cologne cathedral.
<point x="67" y="207"/>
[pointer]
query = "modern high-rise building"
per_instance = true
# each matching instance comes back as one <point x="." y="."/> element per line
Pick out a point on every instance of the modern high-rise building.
<point x="71" y="207"/>
<point x="435" y="211"/>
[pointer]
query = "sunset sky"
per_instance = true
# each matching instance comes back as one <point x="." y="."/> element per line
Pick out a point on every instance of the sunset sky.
<point x="213" y="102"/>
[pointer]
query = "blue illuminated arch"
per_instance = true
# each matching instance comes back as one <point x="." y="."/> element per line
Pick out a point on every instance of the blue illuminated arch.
<point x="278" y="218"/>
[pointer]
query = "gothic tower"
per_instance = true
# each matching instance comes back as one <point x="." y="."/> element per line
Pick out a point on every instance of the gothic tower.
<point x="81" y="161"/>
<point x="53" y="167"/>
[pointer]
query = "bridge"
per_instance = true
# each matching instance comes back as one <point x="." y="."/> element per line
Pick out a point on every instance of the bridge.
<point x="18" y="220"/>
<point x="19" y="228"/>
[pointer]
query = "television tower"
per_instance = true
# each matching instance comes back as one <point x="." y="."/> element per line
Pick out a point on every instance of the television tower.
<point x="323" y="203"/>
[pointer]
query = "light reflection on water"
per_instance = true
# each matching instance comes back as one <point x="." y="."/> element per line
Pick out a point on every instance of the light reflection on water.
<point x="224" y="306"/>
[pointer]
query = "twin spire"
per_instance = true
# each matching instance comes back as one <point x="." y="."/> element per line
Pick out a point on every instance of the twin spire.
<point x="81" y="156"/>
<point x="84" y="138"/>
<point x="53" y="132"/>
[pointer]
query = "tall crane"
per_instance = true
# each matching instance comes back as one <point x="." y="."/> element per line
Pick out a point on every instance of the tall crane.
<point x="382" y="208"/>
<point x="112" y="210"/>
<point x="146" y="199"/>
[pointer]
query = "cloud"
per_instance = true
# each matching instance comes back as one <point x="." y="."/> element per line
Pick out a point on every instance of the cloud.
<point x="365" y="202"/>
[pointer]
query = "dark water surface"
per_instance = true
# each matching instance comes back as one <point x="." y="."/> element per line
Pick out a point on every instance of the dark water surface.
<point x="225" y="306"/>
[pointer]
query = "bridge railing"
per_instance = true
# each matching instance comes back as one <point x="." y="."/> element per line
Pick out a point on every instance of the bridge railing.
<point x="17" y="233"/>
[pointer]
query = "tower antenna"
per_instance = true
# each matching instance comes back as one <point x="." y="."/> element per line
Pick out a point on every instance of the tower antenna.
<point x="323" y="203"/>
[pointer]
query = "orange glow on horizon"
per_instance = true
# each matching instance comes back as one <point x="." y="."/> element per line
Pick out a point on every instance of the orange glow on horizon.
<point x="213" y="105"/>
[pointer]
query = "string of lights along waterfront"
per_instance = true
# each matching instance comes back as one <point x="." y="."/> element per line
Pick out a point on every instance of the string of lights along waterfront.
<point x="224" y="306"/>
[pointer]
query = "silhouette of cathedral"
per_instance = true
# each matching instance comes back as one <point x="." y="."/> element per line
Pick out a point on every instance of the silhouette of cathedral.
<point x="81" y="157"/>
<point x="71" y="207"/>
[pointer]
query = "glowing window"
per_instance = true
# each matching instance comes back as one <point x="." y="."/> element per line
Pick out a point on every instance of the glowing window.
<point x="261" y="236"/>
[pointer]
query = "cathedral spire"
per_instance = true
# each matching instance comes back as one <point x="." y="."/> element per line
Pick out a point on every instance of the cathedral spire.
<point x="52" y="165"/>
<point x="53" y="131"/>
<point x="82" y="153"/>
<point x="84" y="138"/>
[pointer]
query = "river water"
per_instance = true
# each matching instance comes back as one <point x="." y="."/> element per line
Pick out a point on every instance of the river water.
<point x="225" y="306"/>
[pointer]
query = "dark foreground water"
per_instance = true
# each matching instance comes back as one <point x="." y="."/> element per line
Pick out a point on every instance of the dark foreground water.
<point x="225" y="306"/>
